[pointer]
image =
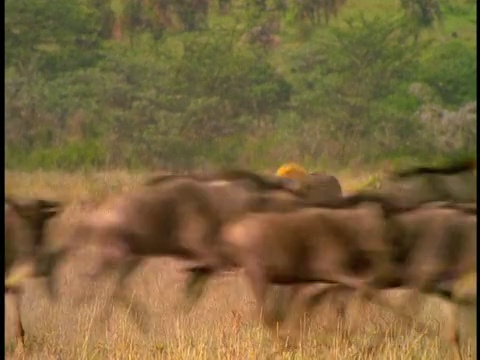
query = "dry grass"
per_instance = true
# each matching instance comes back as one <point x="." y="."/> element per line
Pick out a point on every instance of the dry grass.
<point x="222" y="326"/>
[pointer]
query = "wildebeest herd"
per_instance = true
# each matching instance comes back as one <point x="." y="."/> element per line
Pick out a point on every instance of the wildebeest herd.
<point x="280" y="231"/>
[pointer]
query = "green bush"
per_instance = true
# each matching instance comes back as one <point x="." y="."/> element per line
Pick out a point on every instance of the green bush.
<point x="160" y="97"/>
<point x="451" y="70"/>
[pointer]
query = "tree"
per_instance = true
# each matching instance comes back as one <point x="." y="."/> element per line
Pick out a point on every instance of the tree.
<point x="422" y="13"/>
<point x="58" y="35"/>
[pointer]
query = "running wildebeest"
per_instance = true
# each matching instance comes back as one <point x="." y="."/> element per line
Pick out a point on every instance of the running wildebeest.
<point x="289" y="189"/>
<point x="432" y="249"/>
<point x="177" y="219"/>
<point x="175" y="216"/>
<point x="356" y="248"/>
<point x="25" y="222"/>
<point x="314" y="186"/>
<point x="317" y="187"/>
<point x="454" y="182"/>
<point x="264" y="192"/>
<point x="306" y="245"/>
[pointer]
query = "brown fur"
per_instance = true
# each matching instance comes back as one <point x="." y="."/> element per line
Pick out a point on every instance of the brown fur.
<point x="308" y="245"/>
<point x="315" y="187"/>
<point x="247" y="178"/>
<point x="25" y="221"/>
<point x="431" y="248"/>
<point x="176" y="216"/>
<point x="321" y="187"/>
<point x="305" y="246"/>
<point x="467" y="165"/>
<point x="455" y="182"/>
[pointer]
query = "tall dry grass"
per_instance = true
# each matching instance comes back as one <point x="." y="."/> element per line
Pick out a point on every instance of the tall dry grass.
<point x="222" y="326"/>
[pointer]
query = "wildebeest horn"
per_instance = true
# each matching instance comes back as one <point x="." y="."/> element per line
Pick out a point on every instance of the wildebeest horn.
<point x="47" y="208"/>
<point x="50" y="208"/>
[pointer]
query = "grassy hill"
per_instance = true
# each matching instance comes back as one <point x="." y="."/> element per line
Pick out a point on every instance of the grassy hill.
<point x="124" y="85"/>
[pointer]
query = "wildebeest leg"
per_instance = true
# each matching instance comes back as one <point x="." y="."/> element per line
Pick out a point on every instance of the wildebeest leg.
<point x="19" y="331"/>
<point x="372" y="294"/>
<point x="46" y="266"/>
<point x="308" y="301"/>
<point x="137" y="309"/>
<point x="106" y="266"/>
<point x="286" y="298"/>
<point x="451" y="329"/>
<point x="196" y="284"/>
<point x="208" y="261"/>
<point x="259" y="285"/>
<point x="340" y="303"/>
<point x="283" y="301"/>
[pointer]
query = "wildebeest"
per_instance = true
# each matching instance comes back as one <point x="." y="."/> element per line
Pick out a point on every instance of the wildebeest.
<point x="328" y="186"/>
<point x="431" y="250"/>
<point x="177" y="219"/>
<point x="289" y="189"/>
<point x="264" y="192"/>
<point x="313" y="186"/>
<point x="176" y="216"/>
<point x="318" y="187"/>
<point x="426" y="249"/>
<point x="454" y="182"/>
<point x="307" y="245"/>
<point x="25" y="248"/>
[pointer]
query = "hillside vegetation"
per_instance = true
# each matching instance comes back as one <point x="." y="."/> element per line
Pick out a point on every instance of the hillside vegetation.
<point x="196" y="84"/>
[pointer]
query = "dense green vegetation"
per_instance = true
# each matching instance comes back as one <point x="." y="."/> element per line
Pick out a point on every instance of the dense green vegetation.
<point x="198" y="83"/>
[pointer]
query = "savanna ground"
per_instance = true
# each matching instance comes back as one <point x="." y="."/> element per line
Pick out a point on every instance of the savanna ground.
<point x="222" y="326"/>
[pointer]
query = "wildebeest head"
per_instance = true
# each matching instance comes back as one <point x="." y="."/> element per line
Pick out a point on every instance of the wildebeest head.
<point x="36" y="213"/>
<point x="25" y="221"/>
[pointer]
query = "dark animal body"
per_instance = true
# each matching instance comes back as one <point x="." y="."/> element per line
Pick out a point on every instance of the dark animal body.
<point x="25" y="222"/>
<point x="175" y="216"/>
<point x="426" y="249"/>
<point x="410" y="248"/>
<point x="186" y="217"/>
<point x="455" y="182"/>
<point x="178" y="216"/>
<point x="315" y="187"/>
<point x="305" y="246"/>
<point x="434" y="246"/>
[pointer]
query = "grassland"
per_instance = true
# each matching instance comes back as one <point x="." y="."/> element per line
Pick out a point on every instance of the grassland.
<point x="222" y="326"/>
